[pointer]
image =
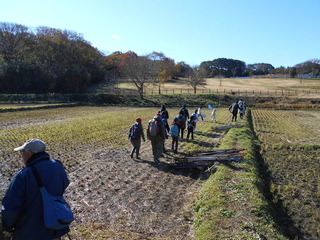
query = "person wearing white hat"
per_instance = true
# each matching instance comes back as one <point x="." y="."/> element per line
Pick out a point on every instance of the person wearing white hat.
<point x="22" y="212"/>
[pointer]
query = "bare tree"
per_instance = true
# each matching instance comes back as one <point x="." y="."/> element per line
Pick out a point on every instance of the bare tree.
<point x="140" y="70"/>
<point x="196" y="78"/>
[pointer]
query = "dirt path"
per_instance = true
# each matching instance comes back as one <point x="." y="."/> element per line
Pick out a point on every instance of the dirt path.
<point x="138" y="199"/>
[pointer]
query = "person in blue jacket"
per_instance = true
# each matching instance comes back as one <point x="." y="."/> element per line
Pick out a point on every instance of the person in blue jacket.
<point x="22" y="212"/>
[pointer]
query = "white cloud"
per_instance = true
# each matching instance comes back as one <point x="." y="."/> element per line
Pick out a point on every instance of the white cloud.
<point x="115" y="37"/>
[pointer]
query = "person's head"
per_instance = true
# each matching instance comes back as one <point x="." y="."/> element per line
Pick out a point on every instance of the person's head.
<point x="157" y="118"/>
<point x="31" y="147"/>
<point x="138" y="120"/>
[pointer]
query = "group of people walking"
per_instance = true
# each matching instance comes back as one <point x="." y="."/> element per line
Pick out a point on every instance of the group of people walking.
<point x="158" y="130"/>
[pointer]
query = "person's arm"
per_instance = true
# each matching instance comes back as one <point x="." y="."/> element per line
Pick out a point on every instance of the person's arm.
<point x="12" y="202"/>
<point x="142" y="133"/>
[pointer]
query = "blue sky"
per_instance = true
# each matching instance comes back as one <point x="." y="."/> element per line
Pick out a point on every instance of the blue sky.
<point x="279" y="32"/>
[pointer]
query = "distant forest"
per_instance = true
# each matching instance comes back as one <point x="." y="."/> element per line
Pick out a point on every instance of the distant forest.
<point x="47" y="60"/>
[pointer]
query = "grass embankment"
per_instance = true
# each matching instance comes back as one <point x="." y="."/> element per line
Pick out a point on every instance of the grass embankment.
<point x="231" y="203"/>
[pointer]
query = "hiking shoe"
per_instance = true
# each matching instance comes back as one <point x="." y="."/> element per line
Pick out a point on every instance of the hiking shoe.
<point x="156" y="160"/>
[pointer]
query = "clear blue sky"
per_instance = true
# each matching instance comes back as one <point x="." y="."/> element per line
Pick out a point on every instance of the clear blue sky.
<point x="279" y="32"/>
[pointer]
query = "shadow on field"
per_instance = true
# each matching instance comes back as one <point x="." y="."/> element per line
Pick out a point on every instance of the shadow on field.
<point x="193" y="173"/>
<point x="205" y="134"/>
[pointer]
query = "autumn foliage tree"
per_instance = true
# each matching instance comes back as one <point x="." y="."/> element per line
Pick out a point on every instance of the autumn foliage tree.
<point x="46" y="60"/>
<point x="164" y="66"/>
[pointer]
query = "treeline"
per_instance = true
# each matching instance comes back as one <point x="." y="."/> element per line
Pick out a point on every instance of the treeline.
<point x="48" y="60"/>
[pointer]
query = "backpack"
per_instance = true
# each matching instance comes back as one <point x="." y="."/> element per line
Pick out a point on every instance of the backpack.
<point x="154" y="128"/>
<point x="174" y="130"/>
<point x="182" y="121"/>
<point x="135" y="132"/>
<point x="191" y="124"/>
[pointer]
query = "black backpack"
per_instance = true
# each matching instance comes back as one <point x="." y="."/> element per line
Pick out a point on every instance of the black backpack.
<point x="135" y="132"/>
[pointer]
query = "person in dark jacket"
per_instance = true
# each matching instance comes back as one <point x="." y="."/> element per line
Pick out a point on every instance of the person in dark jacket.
<point x="135" y="135"/>
<point x="22" y="211"/>
<point x="234" y="109"/>
<point x="190" y="126"/>
<point x="185" y="111"/>
<point x="181" y="123"/>
<point x="165" y="115"/>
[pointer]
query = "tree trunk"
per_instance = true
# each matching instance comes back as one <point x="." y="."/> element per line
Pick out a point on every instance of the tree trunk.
<point x="140" y="91"/>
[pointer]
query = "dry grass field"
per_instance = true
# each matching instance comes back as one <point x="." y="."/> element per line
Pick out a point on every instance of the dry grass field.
<point x="303" y="86"/>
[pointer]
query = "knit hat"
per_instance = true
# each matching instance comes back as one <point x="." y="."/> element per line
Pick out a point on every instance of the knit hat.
<point x="138" y="120"/>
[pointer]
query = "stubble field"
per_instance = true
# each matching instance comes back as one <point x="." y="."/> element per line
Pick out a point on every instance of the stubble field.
<point x="116" y="197"/>
<point x="290" y="147"/>
<point x="112" y="195"/>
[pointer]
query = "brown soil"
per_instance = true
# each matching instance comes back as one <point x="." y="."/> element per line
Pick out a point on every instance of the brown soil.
<point x="134" y="199"/>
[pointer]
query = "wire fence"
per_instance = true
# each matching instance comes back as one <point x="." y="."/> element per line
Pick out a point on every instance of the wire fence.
<point x="265" y="93"/>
